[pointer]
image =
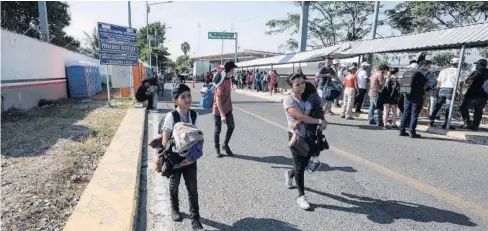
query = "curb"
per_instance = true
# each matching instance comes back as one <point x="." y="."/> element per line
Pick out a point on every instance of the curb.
<point x="268" y="98"/>
<point x="110" y="200"/>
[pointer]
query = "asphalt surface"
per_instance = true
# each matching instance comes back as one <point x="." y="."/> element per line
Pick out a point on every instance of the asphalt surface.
<point x="372" y="180"/>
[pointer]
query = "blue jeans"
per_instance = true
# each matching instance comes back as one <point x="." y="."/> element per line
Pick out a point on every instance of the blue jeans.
<point x="410" y="113"/>
<point x="373" y="105"/>
<point x="229" y="117"/>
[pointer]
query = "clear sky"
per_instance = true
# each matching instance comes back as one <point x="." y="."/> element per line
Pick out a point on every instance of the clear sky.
<point x="248" y="19"/>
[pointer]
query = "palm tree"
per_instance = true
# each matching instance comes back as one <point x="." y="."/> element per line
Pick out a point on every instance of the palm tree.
<point x="185" y="47"/>
<point x="90" y="46"/>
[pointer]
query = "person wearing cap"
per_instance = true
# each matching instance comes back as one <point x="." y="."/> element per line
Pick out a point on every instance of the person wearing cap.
<point x="376" y="81"/>
<point x="351" y="86"/>
<point x="446" y="81"/>
<point x="413" y="102"/>
<point x="362" y="77"/>
<point x="222" y="108"/>
<point x="327" y="75"/>
<point x="181" y="95"/>
<point x="476" y="95"/>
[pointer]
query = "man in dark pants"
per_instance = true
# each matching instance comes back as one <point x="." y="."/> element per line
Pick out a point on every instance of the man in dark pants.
<point x="413" y="101"/>
<point x="222" y="108"/>
<point x="362" y="82"/>
<point x="476" y="96"/>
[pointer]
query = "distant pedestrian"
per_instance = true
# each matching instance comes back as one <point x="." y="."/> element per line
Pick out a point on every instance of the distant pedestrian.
<point x="327" y="76"/>
<point x="446" y="81"/>
<point x="337" y="68"/>
<point x="376" y="83"/>
<point x="351" y="86"/>
<point x="222" y="108"/>
<point x="476" y="95"/>
<point x="414" y="100"/>
<point x="294" y="110"/>
<point x="257" y="80"/>
<point x="390" y="95"/>
<point x="362" y="82"/>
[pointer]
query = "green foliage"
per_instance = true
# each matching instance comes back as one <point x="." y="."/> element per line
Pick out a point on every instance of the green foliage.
<point x="23" y="18"/>
<point x="417" y="16"/>
<point x="185" y="47"/>
<point x="157" y="35"/>
<point x="90" y="44"/>
<point x="483" y="52"/>
<point x="183" y="69"/>
<point x="334" y="22"/>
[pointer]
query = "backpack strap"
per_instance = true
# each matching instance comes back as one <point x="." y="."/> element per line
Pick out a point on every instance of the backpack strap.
<point x="193" y="115"/>
<point x="176" y="117"/>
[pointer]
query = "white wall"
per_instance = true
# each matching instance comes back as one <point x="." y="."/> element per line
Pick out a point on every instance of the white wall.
<point x="28" y="58"/>
<point x="24" y="58"/>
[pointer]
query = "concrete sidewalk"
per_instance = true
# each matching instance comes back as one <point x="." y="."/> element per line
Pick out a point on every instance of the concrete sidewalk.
<point x="479" y="137"/>
<point x="110" y="200"/>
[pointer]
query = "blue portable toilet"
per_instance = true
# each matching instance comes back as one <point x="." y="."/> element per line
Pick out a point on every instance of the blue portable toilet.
<point x="207" y="99"/>
<point x="83" y="79"/>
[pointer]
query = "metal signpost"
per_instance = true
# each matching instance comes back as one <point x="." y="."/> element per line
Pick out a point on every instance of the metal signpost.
<point x="227" y="36"/>
<point x="117" y="46"/>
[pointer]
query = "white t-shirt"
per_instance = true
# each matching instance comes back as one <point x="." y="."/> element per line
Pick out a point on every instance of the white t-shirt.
<point x="362" y="76"/>
<point x="447" y="77"/>
<point x="341" y="75"/>
<point x="169" y="120"/>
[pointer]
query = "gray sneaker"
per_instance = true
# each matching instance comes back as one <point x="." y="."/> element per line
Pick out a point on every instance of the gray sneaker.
<point x="288" y="180"/>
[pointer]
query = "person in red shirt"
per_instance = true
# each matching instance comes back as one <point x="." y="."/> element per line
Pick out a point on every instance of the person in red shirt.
<point x="272" y="83"/>
<point x="222" y="108"/>
<point x="351" y="87"/>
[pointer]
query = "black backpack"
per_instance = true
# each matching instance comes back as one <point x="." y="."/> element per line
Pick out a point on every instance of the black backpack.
<point x="169" y="158"/>
<point x="406" y="82"/>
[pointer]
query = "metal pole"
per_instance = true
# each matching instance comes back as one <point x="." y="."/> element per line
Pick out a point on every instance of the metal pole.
<point x="375" y="24"/>
<point x="222" y="54"/>
<point x="448" y="126"/>
<point x="147" y="35"/>
<point x="131" y="78"/>
<point x="108" y="84"/>
<point x="303" y="26"/>
<point x="43" y="24"/>
<point x="235" y="54"/>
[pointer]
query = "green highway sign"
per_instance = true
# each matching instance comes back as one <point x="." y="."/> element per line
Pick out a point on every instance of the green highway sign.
<point x="222" y="35"/>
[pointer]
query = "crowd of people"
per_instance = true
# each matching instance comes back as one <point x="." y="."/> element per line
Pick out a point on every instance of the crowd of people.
<point x="305" y="110"/>
<point x="260" y="81"/>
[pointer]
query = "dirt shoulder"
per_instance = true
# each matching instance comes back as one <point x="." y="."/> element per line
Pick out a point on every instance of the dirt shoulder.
<point x="48" y="157"/>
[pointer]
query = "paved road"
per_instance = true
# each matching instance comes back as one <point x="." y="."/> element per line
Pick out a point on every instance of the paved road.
<point x="374" y="180"/>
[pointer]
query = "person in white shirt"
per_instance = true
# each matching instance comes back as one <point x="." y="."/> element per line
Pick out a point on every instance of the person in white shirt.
<point x="362" y="76"/>
<point x="446" y="81"/>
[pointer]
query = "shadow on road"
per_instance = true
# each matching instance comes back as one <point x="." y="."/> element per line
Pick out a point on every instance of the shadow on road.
<point x="387" y="211"/>
<point x="252" y="224"/>
<point x="281" y="160"/>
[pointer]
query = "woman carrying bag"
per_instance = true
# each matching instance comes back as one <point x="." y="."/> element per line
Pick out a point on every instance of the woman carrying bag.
<point x="299" y="143"/>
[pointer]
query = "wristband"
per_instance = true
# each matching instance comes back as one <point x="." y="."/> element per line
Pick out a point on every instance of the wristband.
<point x="320" y="121"/>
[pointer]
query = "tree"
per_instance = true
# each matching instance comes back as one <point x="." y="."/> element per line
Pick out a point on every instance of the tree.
<point x="442" y="59"/>
<point x="183" y="69"/>
<point x="411" y="17"/>
<point x="157" y="35"/>
<point x="23" y="18"/>
<point x="90" y="45"/>
<point x="185" y="47"/>
<point x="182" y="60"/>
<point x="335" y="22"/>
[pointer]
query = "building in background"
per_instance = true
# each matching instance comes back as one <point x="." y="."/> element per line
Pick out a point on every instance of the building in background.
<point x="244" y="55"/>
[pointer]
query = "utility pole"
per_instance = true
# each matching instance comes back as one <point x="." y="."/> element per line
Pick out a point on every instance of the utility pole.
<point x="131" y="80"/>
<point x="303" y="26"/>
<point x="147" y="34"/>
<point x="43" y="24"/>
<point x="375" y="23"/>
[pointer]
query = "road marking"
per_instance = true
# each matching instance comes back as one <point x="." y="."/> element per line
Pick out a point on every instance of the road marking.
<point x="427" y="189"/>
